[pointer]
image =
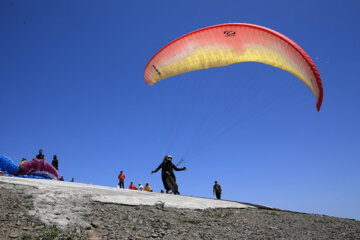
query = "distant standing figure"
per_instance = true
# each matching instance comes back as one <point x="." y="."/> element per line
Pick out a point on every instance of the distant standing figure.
<point x="132" y="186"/>
<point x="22" y="161"/>
<point x="217" y="190"/>
<point x="121" y="178"/>
<point x="40" y="155"/>
<point x="72" y="180"/>
<point x="55" y="163"/>
<point x="141" y="187"/>
<point x="61" y="178"/>
<point x="147" y="188"/>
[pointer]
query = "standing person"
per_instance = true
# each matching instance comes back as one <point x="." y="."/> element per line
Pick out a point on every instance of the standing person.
<point x="217" y="190"/>
<point x="132" y="186"/>
<point x="148" y="188"/>
<point x="141" y="187"/>
<point x="121" y="178"/>
<point x="72" y="180"/>
<point x="55" y="162"/>
<point x="40" y="155"/>
<point x="167" y="174"/>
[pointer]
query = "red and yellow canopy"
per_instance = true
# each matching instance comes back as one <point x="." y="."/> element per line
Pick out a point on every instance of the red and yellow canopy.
<point x="226" y="44"/>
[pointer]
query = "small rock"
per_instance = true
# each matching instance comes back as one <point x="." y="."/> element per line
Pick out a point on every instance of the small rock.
<point x="95" y="224"/>
<point x="14" y="234"/>
<point x="39" y="227"/>
<point x="154" y="235"/>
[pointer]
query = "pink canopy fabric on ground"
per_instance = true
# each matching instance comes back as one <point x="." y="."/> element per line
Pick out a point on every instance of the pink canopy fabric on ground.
<point x="39" y="167"/>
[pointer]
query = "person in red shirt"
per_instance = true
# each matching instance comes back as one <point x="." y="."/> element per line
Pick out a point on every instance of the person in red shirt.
<point x="132" y="186"/>
<point x="121" y="178"/>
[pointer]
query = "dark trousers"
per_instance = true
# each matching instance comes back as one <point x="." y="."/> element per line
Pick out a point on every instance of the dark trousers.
<point x="218" y="195"/>
<point x="121" y="184"/>
<point x="164" y="178"/>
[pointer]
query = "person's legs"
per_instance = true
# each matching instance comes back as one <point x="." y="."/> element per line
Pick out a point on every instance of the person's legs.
<point x="164" y="180"/>
<point x="175" y="187"/>
<point x="218" y="195"/>
<point x="171" y="184"/>
<point x="122" y="184"/>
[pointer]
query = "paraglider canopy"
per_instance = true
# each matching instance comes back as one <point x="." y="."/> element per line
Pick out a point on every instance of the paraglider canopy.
<point x="226" y="44"/>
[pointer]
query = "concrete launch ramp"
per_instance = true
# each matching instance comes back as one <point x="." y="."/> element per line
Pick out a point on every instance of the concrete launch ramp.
<point x="52" y="189"/>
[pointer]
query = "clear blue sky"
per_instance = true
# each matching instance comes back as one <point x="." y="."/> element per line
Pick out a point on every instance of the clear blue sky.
<point x="71" y="81"/>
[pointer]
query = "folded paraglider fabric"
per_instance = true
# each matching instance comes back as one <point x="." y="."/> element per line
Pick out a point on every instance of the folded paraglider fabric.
<point x="7" y="165"/>
<point x="39" y="169"/>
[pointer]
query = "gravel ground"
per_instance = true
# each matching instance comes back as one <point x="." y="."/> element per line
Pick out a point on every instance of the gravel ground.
<point x="114" y="221"/>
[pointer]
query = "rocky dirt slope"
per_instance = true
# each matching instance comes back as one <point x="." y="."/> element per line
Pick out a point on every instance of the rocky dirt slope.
<point x="25" y="215"/>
